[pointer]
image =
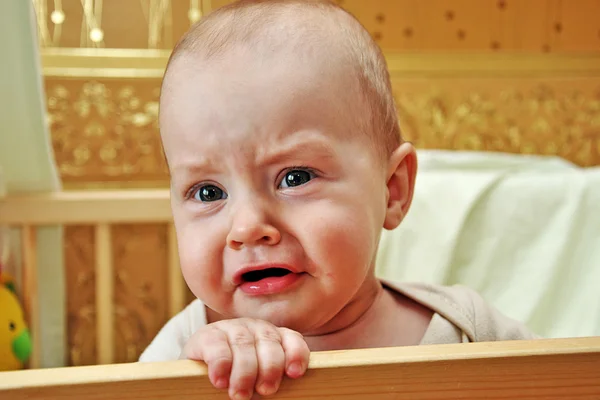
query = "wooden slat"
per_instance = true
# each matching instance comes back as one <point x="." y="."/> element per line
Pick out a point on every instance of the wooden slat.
<point x="477" y="65"/>
<point x="29" y="280"/>
<point x="150" y="63"/>
<point x="176" y="282"/>
<point x="104" y="63"/>
<point x="104" y="295"/>
<point x="86" y="207"/>
<point x="542" y="369"/>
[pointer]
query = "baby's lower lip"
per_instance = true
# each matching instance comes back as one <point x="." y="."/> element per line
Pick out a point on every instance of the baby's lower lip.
<point x="271" y="285"/>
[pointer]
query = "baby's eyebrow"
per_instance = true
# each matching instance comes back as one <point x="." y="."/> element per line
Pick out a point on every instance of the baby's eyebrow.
<point x="203" y="165"/>
<point x="313" y="149"/>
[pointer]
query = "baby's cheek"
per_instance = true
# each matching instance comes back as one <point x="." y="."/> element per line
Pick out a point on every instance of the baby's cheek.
<point x="200" y="263"/>
<point x="344" y="243"/>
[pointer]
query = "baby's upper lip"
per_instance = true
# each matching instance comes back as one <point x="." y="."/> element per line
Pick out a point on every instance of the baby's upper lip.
<point x="237" y="277"/>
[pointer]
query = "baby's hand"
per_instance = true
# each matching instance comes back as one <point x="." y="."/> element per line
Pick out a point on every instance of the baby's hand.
<point x="248" y="354"/>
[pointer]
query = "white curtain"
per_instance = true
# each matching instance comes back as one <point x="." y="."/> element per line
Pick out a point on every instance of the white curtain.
<point x="27" y="162"/>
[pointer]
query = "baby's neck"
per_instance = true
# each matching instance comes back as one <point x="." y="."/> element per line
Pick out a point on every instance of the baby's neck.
<point x="380" y="317"/>
<point x="390" y="320"/>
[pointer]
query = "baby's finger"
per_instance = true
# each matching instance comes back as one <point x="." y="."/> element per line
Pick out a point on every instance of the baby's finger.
<point x="271" y="358"/>
<point x="211" y="346"/>
<point x="296" y="352"/>
<point x="217" y="355"/>
<point x="245" y="365"/>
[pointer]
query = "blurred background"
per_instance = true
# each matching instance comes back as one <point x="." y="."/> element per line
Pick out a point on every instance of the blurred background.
<point x="80" y="87"/>
<point x="95" y="120"/>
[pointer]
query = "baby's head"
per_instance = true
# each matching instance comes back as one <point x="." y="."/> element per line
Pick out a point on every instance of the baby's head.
<point x="286" y="161"/>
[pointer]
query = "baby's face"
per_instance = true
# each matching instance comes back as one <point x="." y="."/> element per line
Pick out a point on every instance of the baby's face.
<point x="278" y="207"/>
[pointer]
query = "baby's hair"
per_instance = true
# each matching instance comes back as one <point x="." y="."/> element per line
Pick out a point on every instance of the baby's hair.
<point x="260" y="25"/>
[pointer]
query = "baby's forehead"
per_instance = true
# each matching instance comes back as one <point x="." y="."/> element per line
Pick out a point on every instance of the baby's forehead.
<point x="257" y="103"/>
<point x="231" y="88"/>
<point x="238" y="70"/>
<point x="298" y="30"/>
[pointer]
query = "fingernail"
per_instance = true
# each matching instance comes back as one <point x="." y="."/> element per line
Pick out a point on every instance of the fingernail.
<point x="241" y="395"/>
<point x="221" y="383"/>
<point x="267" y="388"/>
<point x="294" y="370"/>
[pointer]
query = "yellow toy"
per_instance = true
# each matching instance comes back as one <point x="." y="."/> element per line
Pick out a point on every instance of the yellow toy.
<point x="15" y="342"/>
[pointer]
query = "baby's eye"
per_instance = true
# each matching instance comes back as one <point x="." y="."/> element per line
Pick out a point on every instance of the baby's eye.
<point x="208" y="193"/>
<point x="296" y="177"/>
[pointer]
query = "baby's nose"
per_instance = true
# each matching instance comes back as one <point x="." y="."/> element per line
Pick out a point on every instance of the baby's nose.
<point x="250" y="226"/>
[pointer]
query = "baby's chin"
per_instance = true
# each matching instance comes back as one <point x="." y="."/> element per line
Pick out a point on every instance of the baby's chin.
<point x="286" y="315"/>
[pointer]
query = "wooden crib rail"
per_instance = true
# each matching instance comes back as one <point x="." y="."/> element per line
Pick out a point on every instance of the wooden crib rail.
<point x="541" y="369"/>
<point x="86" y="207"/>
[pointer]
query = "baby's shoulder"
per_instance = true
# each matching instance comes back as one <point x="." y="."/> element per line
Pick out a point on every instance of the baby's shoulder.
<point x="466" y="309"/>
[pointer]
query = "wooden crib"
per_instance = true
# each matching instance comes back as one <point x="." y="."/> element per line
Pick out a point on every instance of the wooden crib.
<point x="549" y="368"/>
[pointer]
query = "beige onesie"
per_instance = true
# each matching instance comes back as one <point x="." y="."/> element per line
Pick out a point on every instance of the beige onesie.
<point x="460" y="316"/>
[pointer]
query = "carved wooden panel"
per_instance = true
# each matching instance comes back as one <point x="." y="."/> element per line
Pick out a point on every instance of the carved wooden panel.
<point x="81" y="290"/>
<point x="140" y="290"/>
<point x="558" y="117"/>
<point x="106" y="130"/>
<point x="105" y="133"/>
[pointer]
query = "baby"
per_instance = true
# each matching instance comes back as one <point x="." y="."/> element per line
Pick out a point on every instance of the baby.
<point x="286" y="161"/>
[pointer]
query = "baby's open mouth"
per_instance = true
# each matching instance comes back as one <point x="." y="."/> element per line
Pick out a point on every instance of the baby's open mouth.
<point x="255" y="276"/>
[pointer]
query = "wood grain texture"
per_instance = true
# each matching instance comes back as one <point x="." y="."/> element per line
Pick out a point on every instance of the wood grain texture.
<point x="141" y="287"/>
<point x="541" y="369"/>
<point x="80" y="256"/>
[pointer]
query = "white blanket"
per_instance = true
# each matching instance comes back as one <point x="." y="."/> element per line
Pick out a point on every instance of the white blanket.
<point x="522" y="230"/>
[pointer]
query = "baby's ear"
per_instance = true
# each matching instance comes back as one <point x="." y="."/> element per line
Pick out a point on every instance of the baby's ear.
<point x="401" y="174"/>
